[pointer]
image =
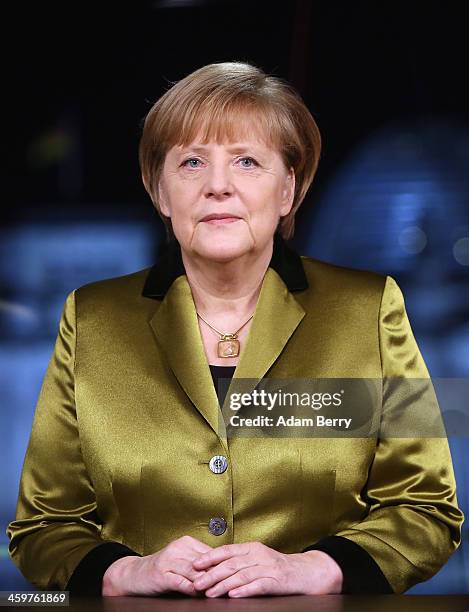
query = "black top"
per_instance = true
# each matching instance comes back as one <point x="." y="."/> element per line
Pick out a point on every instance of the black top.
<point x="221" y="372"/>
<point x="362" y="575"/>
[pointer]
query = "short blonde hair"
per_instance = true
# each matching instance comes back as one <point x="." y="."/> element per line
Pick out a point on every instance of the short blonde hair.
<point x="222" y="102"/>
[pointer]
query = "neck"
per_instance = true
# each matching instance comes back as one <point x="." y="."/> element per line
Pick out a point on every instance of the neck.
<point x="229" y="288"/>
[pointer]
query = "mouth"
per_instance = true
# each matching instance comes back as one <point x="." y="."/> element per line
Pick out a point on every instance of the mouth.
<point x="220" y="218"/>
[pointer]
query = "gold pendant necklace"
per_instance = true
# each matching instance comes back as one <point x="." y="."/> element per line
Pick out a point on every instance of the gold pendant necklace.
<point x="228" y="345"/>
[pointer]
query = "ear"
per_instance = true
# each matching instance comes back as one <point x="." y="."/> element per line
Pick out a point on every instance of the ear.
<point x="288" y="193"/>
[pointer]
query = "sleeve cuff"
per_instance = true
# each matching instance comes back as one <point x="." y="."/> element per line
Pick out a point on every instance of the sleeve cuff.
<point x="87" y="578"/>
<point x="362" y="575"/>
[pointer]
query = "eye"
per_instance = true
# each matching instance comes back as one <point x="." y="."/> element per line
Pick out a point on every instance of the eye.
<point x="250" y="159"/>
<point x="190" y="159"/>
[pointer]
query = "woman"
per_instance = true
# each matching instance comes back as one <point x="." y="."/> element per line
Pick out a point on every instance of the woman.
<point x="130" y="485"/>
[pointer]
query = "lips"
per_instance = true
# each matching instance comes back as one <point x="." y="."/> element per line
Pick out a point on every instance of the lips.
<point x="221" y="217"/>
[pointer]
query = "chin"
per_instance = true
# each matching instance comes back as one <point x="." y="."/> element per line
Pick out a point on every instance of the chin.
<point x="223" y="250"/>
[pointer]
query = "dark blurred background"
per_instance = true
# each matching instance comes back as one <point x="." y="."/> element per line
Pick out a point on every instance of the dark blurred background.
<point x="387" y="85"/>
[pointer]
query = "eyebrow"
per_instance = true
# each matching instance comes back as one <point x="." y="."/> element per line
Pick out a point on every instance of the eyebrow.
<point x="241" y="148"/>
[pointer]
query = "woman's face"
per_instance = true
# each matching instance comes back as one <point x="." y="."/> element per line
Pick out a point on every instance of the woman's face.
<point x="245" y="183"/>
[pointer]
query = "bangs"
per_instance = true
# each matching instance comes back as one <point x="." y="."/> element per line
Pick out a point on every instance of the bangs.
<point x="234" y="120"/>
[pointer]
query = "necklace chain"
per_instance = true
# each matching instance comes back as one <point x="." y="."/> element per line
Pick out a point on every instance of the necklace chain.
<point x="221" y="334"/>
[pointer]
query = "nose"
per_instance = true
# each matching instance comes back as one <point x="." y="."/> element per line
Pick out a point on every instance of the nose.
<point x="218" y="183"/>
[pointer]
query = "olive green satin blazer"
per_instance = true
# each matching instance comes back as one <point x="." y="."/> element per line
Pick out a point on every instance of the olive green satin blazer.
<point x="128" y="419"/>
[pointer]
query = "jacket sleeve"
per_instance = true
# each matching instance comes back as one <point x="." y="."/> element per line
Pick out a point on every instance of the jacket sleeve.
<point x="414" y="523"/>
<point x="57" y="523"/>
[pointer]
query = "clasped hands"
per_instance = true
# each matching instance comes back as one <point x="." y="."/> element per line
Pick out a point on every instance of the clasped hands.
<point x="190" y="566"/>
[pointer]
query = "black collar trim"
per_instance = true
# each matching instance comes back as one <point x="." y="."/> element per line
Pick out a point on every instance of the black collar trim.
<point x="285" y="261"/>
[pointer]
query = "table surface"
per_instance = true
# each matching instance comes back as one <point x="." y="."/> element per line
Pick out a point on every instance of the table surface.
<point x="298" y="603"/>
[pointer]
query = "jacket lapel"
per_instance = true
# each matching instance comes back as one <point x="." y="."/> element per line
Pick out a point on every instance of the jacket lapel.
<point x="276" y="317"/>
<point x="177" y="332"/>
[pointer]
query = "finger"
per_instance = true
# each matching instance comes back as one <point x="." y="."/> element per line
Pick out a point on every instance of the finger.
<point x="219" y="554"/>
<point x="240" y="578"/>
<point x="261" y="586"/>
<point x="176" y="582"/>
<point x="223" y="570"/>
<point x="184" y="568"/>
<point x="194" y="575"/>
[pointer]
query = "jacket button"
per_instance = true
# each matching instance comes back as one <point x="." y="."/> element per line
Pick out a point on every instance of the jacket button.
<point x="218" y="464"/>
<point x="217" y="525"/>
